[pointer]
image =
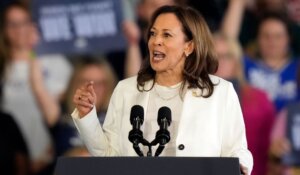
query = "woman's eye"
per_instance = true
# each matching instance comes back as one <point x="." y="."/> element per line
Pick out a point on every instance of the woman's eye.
<point x="152" y="33"/>
<point x="167" y="35"/>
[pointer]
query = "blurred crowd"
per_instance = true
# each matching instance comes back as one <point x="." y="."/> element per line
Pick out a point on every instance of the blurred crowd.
<point x="258" y="48"/>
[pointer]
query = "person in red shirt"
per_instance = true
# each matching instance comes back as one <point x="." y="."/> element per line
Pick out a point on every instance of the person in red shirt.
<point x="258" y="110"/>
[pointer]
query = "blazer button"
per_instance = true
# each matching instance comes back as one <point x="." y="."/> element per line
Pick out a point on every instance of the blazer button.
<point x="181" y="147"/>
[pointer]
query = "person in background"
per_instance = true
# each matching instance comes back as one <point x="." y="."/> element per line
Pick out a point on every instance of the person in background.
<point x="86" y="69"/>
<point x="293" y="7"/>
<point x="285" y="138"/>
<point x="273" y="70"/>
<point x="258" y="110"/>
<point x="31" y="87"/>
<point x="261" y="8"/>
<point x="14" y="158"/>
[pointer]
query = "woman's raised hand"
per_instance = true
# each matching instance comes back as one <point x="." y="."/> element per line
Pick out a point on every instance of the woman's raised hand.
<point x="85" y="98"/>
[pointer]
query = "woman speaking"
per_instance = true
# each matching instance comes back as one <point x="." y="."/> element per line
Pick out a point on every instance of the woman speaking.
<point x="206" y="117"/>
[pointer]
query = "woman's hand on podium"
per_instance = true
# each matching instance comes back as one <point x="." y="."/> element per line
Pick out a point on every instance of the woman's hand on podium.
<point x="85" y="98"/>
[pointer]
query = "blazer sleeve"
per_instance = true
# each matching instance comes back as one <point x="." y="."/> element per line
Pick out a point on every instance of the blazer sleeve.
<point x="100" y="141"/>
<point x="234" y="142"/>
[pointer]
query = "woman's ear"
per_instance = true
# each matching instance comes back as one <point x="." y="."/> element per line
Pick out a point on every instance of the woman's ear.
<point x="189" y="48"/>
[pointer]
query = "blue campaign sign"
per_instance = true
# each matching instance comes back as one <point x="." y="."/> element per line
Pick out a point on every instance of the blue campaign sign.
<point x="78" y="26"/>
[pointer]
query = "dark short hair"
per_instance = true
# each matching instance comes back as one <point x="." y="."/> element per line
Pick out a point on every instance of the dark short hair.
<point x="200" y="63"/>
<point x="282" y="18"/>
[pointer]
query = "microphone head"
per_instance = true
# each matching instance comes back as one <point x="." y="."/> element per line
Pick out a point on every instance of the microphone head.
<point x="164" y="113"/>
<point x="137" y="111"/>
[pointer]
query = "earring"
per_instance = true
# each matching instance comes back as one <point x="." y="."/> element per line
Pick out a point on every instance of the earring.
<point x="186" y="54"/>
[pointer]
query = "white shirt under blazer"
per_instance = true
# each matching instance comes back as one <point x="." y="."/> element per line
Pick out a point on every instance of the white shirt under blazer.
<point x="208" y="127"/>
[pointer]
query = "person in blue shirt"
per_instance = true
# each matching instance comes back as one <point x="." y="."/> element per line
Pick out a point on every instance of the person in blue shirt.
<point x="275" y="71"/>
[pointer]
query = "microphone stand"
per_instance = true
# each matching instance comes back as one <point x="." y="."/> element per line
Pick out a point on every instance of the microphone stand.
<point x="159" y="150"/>
<point x="136" y="137"/>
<point x="146" y="143"/>
<point x="137" y="149"/>
<point x="162" y="137"/>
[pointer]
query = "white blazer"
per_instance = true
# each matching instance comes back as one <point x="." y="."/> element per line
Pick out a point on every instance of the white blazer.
<point x="209" y="127"/>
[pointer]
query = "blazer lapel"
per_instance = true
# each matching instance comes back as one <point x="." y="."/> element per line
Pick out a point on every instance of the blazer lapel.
<point x="185" y="114"/>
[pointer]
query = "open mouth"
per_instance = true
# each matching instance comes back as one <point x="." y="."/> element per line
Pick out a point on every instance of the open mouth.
<point x="157" y="55"/>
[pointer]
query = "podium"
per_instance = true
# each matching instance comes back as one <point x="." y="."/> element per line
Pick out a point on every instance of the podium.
<point x="147" y="166"/>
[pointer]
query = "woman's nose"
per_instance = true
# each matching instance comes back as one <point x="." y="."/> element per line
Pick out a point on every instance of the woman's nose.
<point x="158" y="40"/>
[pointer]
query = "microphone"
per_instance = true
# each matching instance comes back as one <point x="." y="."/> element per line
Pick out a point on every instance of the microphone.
<point x="163" y="135"/>
<point x="136" y="135"/>
<point x="136" y="116"/>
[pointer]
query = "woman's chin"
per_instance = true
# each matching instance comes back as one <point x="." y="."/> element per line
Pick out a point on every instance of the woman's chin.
<point x="158" y="68"/>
